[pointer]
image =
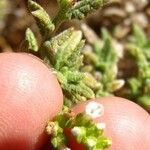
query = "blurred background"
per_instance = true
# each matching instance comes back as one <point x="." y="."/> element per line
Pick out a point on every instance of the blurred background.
<point x="15" y="18"/>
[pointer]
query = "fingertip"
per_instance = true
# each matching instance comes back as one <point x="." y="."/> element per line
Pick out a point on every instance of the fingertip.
<point x="30" y="95"/>
<point x="127" y="124"/>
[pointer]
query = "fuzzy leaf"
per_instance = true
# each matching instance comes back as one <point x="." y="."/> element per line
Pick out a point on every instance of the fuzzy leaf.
<point x="75" y="61"/>
<point x="139" y="35"/>
<point x="42" y="18"/>
<point x="66" y="49"/>
<point x="31" y="41"/>
<point x="83" y="7"/>
<point x="50" y="48"/>
<point x="64" y="6"/>
<point x="56" y="42"/>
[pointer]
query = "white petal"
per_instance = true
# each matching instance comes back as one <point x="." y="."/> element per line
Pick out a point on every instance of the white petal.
<point x="94" y="109"/>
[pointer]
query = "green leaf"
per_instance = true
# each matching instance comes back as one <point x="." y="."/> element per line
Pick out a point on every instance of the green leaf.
<point x="31" y="41"/>
<point x="65" y="4"/>
<point x="84" y="7"/>
<point x="56" y="42"/>
<point x="66" y="49"/>
<point x="42" y="18"/>
<point x="139" y="36"/>
<point x="50" y="48"/>
<point x="75" y="61"/>
<point x="108" y="53"/>
<point x="135" y="85"/>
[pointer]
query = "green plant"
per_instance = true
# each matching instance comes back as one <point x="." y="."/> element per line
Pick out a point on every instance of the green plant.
<point x="62" y="52"/>
<point x="139" y="47"/>
<point x="81" y="126"/>
<point x="101" y="60"/>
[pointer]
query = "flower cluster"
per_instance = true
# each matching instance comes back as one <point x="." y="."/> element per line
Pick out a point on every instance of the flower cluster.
<point x="81" y="126"/>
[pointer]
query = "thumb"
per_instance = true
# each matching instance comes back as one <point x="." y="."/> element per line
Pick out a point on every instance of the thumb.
<point x="29" y="96"/>
<point x="127" y="124"/>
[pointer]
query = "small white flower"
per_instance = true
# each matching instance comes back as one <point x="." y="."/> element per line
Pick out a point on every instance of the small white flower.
<point x="76" y="131"/>
<point x="50" y="128"/>
<point x="94" y="109"/>
<point x="91" y="142"/>
<point x="101" y="126"/>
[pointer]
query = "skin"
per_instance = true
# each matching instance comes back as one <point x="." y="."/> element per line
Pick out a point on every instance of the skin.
<point x="30" y="95"/>
<point x="127" y="124"/>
